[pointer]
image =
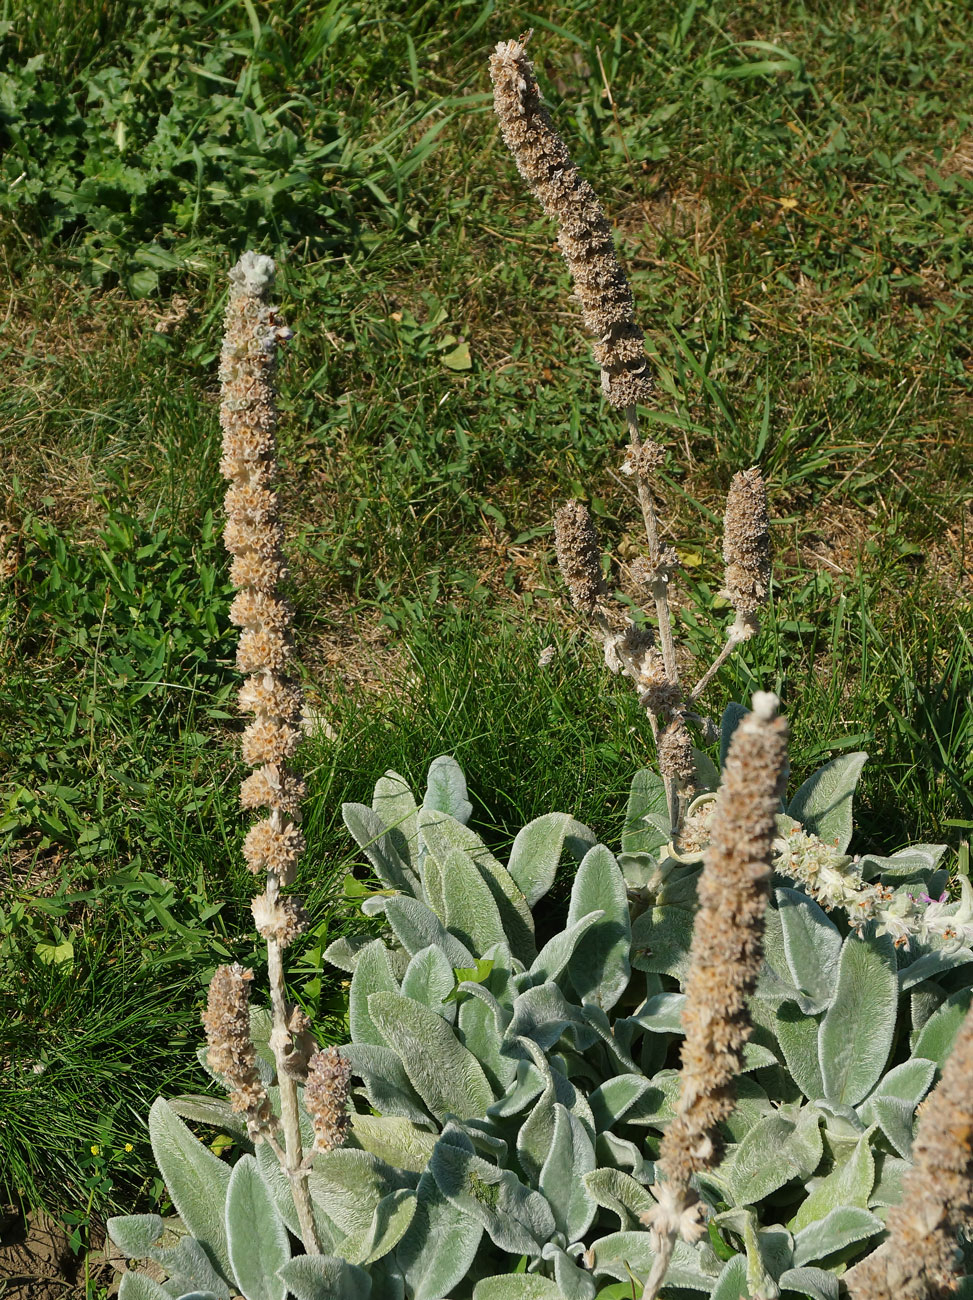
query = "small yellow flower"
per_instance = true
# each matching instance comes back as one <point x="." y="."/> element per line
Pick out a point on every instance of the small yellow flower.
<point x="96" y="1150"/>
<point x="129" y="1147"/>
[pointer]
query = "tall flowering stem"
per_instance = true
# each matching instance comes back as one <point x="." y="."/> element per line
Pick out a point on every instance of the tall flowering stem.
<point x="725" y="959"/>
<point x="585" y="240"/>
<point x="271" y="693"/>
<point x="921" y="1260"/>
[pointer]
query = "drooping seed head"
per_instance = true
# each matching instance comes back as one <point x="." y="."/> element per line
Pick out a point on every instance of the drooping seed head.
<point x="231" y="1051"/>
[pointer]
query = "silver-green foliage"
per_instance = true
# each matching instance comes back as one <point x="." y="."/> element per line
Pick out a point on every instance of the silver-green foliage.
<point x="516" y="1072"/>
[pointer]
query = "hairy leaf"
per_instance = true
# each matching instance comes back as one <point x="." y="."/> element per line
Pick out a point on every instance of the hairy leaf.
<point x="797" y="1035"/>
<point x="537" y="850"/>
<point x="469" y="908"/>
<point x="776" y="1150"/>
<point x="830" y="1235"/>
<point x="136" y="1286"/>
<point x="733" y="715"/>
<point x="810" y="1282"/>
<point x="373" y="838"/>
<point x="908" y="1082"/>
<point x="647" y="816"/>
<point x="823" y="803"/>
<point x="661" y="938"/>
<point x="732" y="1282"/>
<point x="612" y="1099"/>
<point x="621" y="1254"/>
<point x="849" y="1183"/>
<point x="428" y="980"/>
<point x="256" y="1236"/>
<point x="615" y="1190"/>
<point x="812" y="945"/>
<point x="446" y="789"/>
<point x="212" y="1111"/>
<point x="416" y="927"/>
<point x="557" y="952"/>
<point x="570" y="1157"/>
<point x="856" y="1033"/>
<point x="930" y="964"/>
<point x="349" y="1185"/>
<point x="395" y="1140"/>
<point x="936" y="1037"/>
<point x="599" y="967"/>
<point x="444" y="836"/>
<point x="917" y="860"/>
<point x="135" y="1234"/>
<point x="325" y="1277"/>
<point x="386" y="1082"/>
<point x="394" y="803"/>
<point x="390" y="1222"/>
<point x="480" y="1028"/>
<point x="196" y="1181"/>
<point x="517" y="1219"/>
<point x="439" y="1248"/>
<point x="448" y="1078"/>
<point x="373" y="974"/>
<point x="517" y="1286"/>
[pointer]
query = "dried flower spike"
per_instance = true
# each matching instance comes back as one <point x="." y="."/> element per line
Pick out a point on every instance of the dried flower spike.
<point x="326" y="1098"/>
<point x="579" y="555"/>
<point x="248" y="416"/>
<point x="919" y="1261"/>
<point x="271" y="693"/>
<point x="231" y="1051"/>
<point x="746" y="546"/>
<point x="584" y="235"/>
<point x="725" y="960"/>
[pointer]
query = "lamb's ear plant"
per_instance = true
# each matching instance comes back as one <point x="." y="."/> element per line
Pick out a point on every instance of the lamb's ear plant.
<point x="703" y="1077"/>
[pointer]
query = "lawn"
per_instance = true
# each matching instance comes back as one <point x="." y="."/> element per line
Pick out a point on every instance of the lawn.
<point x="790" y="186"/>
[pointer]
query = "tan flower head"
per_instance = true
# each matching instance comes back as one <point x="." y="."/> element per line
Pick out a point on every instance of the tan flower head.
<point x="746" y="542"/>
<point x="231" y="1051"/>
<point x="281" y="919"/>
<point x="920" y="1259"/>
<point x="583" y="233"/>
<point x="326" y="1098"/>
<point x="272" y="847"/>
<point x="725" y="960"/>
<point x="676" y="761"/>
<point x="579" y="555"/>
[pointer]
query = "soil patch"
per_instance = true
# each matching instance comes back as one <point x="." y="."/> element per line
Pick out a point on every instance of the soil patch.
<point x="36" y="1262"/>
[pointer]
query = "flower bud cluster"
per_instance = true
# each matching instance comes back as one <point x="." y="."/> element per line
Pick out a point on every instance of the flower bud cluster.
<point x="253" y="535"/>
<point x="746" y="548"/>
<point x="834" y="879"/>
<point x="579" y="555"/>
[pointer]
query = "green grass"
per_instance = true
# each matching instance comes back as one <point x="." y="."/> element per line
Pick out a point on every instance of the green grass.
<point x="790" y="187"/>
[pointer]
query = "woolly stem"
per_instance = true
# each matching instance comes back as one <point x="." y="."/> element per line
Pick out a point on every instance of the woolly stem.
<point x="731" y="644"/>
<point x="280" y="1041"/>
<point x="660" y="588"/>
